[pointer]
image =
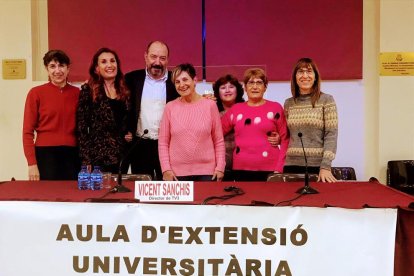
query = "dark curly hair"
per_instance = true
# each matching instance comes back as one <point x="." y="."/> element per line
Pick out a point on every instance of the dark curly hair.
<point x="223" y="80"/>
<point x="56" y="55"/>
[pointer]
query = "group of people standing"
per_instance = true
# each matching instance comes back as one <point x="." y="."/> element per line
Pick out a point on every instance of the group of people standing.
<point x="170" y="131"/>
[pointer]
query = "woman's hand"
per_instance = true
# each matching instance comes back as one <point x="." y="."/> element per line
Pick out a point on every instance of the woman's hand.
<point x="218" y="175"/>
<point x="128" y="137"/>
<point x="210" y="96"/>
<point x="169" y="176"/>
<point x="34" y="173"/>
<point x="274" y="139"/>
<point x="326" y="176"/>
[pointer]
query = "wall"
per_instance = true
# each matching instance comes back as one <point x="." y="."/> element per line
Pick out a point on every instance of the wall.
<point x="375" y="113"/>
<point x="15" y="33"/>
<point x="396" y="94"/>
<point x="370" y="84"/>
<point x="278" y="48"/>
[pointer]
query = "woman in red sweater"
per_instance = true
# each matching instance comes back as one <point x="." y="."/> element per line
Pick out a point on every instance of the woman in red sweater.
<point x="49" y="123"/>
<point x="190" y="144"/>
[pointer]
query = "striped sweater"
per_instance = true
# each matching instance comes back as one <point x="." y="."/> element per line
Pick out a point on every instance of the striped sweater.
<point x="319" y="128"/>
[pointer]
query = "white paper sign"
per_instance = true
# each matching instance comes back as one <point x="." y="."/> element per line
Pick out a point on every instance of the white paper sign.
<point x="164" y="191"/>
<point x="72" y="239"/>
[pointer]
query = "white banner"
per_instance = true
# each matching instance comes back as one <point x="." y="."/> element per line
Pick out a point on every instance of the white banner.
<point x="59" y="239"/>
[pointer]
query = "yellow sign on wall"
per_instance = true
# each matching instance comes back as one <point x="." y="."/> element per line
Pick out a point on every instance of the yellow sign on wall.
<point x="14" y="69"/>
<point x="397" y="64"/>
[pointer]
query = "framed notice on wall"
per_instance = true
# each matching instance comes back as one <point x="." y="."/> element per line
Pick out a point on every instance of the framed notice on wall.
<point x="14" y="69"/>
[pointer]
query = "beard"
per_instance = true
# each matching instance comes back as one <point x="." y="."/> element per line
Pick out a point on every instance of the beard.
<point x="156" y="70"/>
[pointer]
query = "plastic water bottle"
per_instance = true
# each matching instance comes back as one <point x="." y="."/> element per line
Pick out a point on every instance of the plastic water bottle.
<point x="96" y="179"/>
<point x="84" y="178"/>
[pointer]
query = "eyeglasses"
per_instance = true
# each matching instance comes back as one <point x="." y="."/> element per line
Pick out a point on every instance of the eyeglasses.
<point x="302" y="72"/>
<point x="257" y="83"/>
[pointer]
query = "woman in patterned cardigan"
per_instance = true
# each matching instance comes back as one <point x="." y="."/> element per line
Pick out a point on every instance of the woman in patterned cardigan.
<point x="102" y="111"/>
<point x="312" y="116"/>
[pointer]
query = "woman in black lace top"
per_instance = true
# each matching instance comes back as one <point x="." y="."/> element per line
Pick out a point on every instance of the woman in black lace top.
<point x="102" y="111"/>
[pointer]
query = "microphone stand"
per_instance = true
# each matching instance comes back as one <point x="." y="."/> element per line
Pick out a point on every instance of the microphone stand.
<point x="306" y="189"/>
<point x="119" y="188"/>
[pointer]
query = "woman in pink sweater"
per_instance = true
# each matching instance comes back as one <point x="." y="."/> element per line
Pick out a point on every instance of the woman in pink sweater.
<point x="190" y="144"/>
<point x="255" y="155"/>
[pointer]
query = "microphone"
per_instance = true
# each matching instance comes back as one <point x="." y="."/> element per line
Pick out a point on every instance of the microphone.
<point x="119" y="188"/>
<point x="306" y="189"/>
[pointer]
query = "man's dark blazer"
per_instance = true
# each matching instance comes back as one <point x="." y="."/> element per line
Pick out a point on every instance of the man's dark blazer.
<point x="135" y="83"/>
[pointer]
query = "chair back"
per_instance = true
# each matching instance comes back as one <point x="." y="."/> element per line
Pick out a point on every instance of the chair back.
<point x="400" y="175"/>
<point x="134" y="177"/>
<point x="344" y="173"/>
<point x="291" y="177"/>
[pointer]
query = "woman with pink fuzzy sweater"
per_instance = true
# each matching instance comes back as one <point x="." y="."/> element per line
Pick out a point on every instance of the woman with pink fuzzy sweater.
<point x="190" y="143"/>
<point x="255" y="155"/>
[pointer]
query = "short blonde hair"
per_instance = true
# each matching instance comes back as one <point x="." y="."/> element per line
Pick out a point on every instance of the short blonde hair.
<point x="185" y="67"/>
<point x="255" y="73"/>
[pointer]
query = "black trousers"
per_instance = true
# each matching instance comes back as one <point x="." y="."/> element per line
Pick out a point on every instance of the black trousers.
<point x="204" y="178"/>
<point x="113" y="168"/>
<point x="58" y="163"/>
<point x="143" y="158"/>
<point x="300" y="169"/>
<point x="229" y="176"/>
<point x="251" y="175"/>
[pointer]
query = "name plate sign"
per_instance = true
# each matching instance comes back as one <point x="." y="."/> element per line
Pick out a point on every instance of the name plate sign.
<point x="397" y="64"/>
<point x="14" y="69"/>
<point x="164" y="191"/>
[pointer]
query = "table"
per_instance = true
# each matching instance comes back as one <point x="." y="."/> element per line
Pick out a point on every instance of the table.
<point x="351" y="195"/>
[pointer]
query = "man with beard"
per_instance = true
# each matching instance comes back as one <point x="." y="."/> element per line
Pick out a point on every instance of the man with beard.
<point x="151" y="88"/>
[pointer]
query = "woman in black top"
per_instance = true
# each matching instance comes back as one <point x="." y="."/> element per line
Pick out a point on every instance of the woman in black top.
<point x="102" y="111"/>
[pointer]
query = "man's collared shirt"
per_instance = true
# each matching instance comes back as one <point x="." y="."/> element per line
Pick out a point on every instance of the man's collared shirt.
<point x="153" y="101"/>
